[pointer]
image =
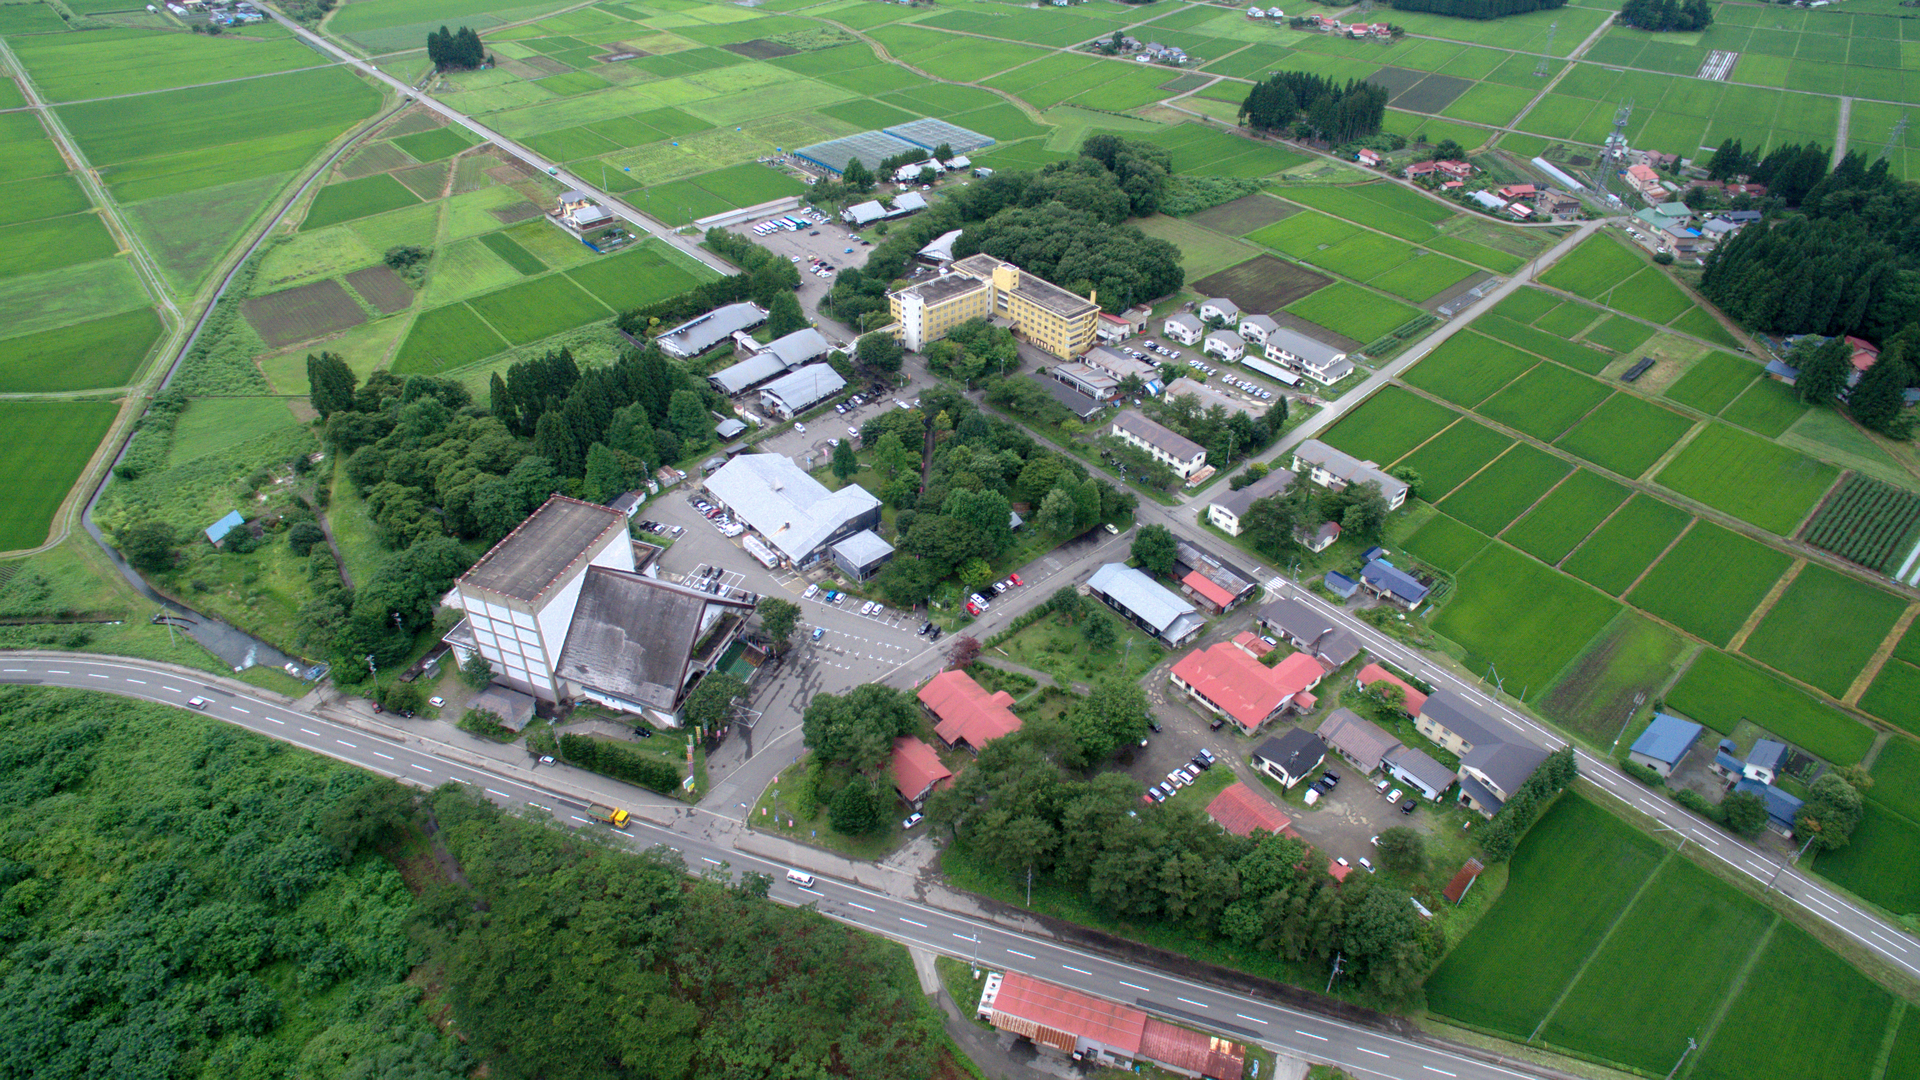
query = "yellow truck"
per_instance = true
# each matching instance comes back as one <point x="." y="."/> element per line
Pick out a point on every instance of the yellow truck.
<point x="608" y="815"/>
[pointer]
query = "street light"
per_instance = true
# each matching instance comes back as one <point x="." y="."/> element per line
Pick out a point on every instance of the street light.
<point x="1691" y="1047"/>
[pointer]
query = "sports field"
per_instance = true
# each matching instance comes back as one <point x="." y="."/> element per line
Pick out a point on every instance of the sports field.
<point x="1823" y="629"/>
<point x="1522" y="617"/>
<point x="1709" y="582"/>
<point x="39" y="471"/>
<point x="1721" y="690"/>
<point x="1564" y="518"/>
<point x="1757" y="481"/>
<point x="1622" y="548"/>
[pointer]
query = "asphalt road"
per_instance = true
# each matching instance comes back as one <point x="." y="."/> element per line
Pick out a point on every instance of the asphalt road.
<point x="1358" y="1049"/>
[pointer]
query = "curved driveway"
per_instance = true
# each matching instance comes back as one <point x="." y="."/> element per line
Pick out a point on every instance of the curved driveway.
<point x="1358" y="1049"/>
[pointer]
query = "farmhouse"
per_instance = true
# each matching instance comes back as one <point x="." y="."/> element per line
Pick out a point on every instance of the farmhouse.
<point x="1665" y="743"/>
<point x="1517" y="191"/>
<point x="1219" y="310"/>
<point x="1362" y="742"/>
<point x="1290" y="758"/>
<point x="1220" y="585"/>
<point x="1647" y="183"/>
<point x="1172" y="449"/>
<point x="558" y="611"/>
<point x="1226" y="345"/>
<point x="1392" y="584"/>
<point x="1146" y="604"/>
<point x="1086" y="1028"/>
<point x="1228" y="507"/>
<point x="978" y="286"/>
<point x="1369" y="158"/>
<point x="917" y="771"/>
<point x="964" y="714"/>
<point x="1340" y="584"/>
<point x="1299" y="625"/>
<point x="1184" y="329"/>
<point x="1227" y="680"/>
<point x="1765" y="761"/>
<point x="1241" y="811"/>
<point x="788" y="508"/>
<point x="1782" y="808"/>
<point x="579" y="212"/>
<point x="797" y="391"/>
<point x="1374" y="675"/>
<point x="697" y="335"/>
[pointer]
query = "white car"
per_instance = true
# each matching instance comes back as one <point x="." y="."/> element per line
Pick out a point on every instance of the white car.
<point x="197" y="703"/>
<point x="1367" y="866"/>
<point x="872" y="607"/>
<point x="812" y="591"/>
<point x="437" y="701"/>
<point x="1393" y="796"/>
<point x="799" y="427"/>
<point x="912" y="820"/>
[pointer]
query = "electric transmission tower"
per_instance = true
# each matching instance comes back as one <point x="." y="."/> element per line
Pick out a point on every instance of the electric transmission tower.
<point x="1896" y="137"/>
<point x="1366" y="7"/>
<point x="1540" y="69"/>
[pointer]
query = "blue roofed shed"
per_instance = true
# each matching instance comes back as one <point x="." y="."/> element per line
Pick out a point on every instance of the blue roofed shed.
<point x="1340" y="584"/>
<point x="1665" y="742"/>
<point x="218" y="531"/>
<point x="1781" y="807"/>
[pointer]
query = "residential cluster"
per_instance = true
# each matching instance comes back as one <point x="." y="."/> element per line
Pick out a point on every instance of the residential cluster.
<point x="1222" y="330"/>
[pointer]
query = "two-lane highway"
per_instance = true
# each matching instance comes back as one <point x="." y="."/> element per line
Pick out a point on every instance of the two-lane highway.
<point x="1358" y="1049"/>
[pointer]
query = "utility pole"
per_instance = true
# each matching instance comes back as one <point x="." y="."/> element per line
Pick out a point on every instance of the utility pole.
<point x="1637" y="699"/>
<point x="1691" y="1047"/>
<point x="1782" y="868"/>
<point x="1339" y="960"/>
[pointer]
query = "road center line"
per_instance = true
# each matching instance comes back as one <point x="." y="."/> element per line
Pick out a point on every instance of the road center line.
<point x="715" y="862"/>
<point x="1297" y="1031"/>
<point x="1375" y="1053"/>
<point x="910" y="922"/>
<point x="138" y="682"/>
<point x="422" y="768"/>
<point x="389" y="757"/>
<point x="862" y="907"/>
<point x="171" y="689"/>
<point x="1190" y="1001"/>
<point x="91" y="675"/>
<point x="16" y="670"/>
<point x="249" y="712"/>
<point x="271" y="720"/>
<point x="963" y="937"/>
<point x="311" y="732"/>
<point x="56" y="671"/>
<point x="1082" y="971"/>
<point x="1030" y="956"/>
<point x="1124" y="982"/>
<point x="502" y="794"/>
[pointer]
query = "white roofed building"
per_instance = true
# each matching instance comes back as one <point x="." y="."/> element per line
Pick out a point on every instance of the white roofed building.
<point x="791" y="510"/>
<point x="797" y="391"/>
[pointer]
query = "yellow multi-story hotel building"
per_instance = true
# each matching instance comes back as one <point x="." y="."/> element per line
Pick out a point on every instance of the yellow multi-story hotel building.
<point x="980" y="287"/>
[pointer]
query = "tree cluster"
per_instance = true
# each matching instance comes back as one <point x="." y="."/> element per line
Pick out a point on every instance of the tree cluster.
<point x="1477" y="9"/>
<point x="1832" y="811"/>
<point x="1140" y="168"/>
<point x="1275" y="523"/>
<point x="972" y="350"/>
<point x="1315" y="106"/>
<point x="1660" y="15"/>
<point x="460" y="49"/>
<point x="1501" y="835"/>
<point x="1228" y="436"/>
<point x="1019" y="809"/>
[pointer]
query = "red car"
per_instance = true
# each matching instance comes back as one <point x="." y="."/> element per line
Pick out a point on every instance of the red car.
<point x="973" y="608"/>
<point x="1015" y="578"/>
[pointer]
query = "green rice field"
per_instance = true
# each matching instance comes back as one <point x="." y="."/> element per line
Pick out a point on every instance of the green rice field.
<point x="81" y="356"/>
<point x="1720" y="690"/>
<point x="1766" y="406"/>
<point x="1353" y="312"/>
<point x="1445" y="544"/>
<point x="1506" y="488"/>
<point x="1566" y="516"/>
<point x="1895" y="696"/>
<point x="1713" y="381"/>
<point x="1386" y="426"/>
<point x="360" y="198"/>
<point x="1622" y="548"/>
<point x="1710" y="582"/>
<point x="1521" y="617"/>
<point x="1755" y="480"/>
<point x="1626" y="434"/>
<point x="1544" y="402"/>
<point x="1878" y="863"/>
<point x="1447" y="459"/>
<point x="40" y="471"/>
<point x="1824" y="628"/>
<point x="33" y="247"/>
<point x="1468" y="368"/>
<point x="538" y="309"/>
<point x="446" y="338"/>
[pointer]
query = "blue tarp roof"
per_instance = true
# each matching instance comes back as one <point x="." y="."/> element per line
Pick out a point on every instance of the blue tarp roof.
<point x="218" y="531"/>
<point x="1667" y="739"/>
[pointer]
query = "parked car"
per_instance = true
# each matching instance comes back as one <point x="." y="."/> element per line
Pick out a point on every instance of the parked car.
<point x="1015" y="578"/>
<point x="812" y="591"/>
<point x="1381" y="786"/>
<point x="1216" y="724"/>
<point x="1407" y="807"/>
<point x="1394" y="795"/>
<point x="1366" y="865"/>
<point x="1208" y="754"/>
<point x="973" y="608"/>
<point x="1200" y="763"/>
<point x="915" y="819"/>
<point x="1342" y="861"/>
<point x="437" y="701"/>
<point x="799" y="427"/>
<point x="819" y="632"/>
<point x="1332" y="778"/>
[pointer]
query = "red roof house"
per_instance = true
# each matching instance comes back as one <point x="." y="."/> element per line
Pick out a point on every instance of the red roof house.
<point x="1240" y="810"/>
<point x="1339" y="872"/>
<point x="1865" y="353"/>
<point x="1368" y="158"/>
<point x="1459" y="170"/>
<point x="1516" y="191"/>
<point x="1249" y="642"/>
<point x="1374" y="673"/>
<point x="1228" y="681"/>
<point x="1191" y="1052"/>
<point x="1066" y="1020"/>
<point x="917" y="770"/>
<point x="1205" y="588"/>
<point x="1419" y="169"/>
<point x="964" y="713"/>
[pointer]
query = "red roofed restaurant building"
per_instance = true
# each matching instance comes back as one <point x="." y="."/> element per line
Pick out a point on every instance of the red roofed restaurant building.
<point x="917" y="770"/>
<point x="964" y="713"/>
<point x="1226" y="679"/>
<point x="1088" y="1028"/>
<point x="1241" y="811"/>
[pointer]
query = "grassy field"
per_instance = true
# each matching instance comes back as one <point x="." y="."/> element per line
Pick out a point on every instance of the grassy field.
<point x="1720" y="690"/>
<point x="1710" y="582"/>
<point x="1754" y="480"/>
<point x="1522" y="617"/>
<point x="1469" y="368"/>
<point x="1896" y="775"/>
<point x="1445" y="544"/>
<point x="1705" y="932"/>
<point x="1574" y="874"/>
<point x="538" y="309"/>
<point x="1388" y="425"/>
<point x="1566" y="516"/>
<point x="1766" y="406"/>
<point x="1824" y="628"/>
<point x="83" y="356"/>
<point x="1804" y="1015"/>
<point x="1544" y="402"/>
<point x="1895" y="695"/>
<point x="1714" y="381"/>
<point x="1506" y="488"/>
<point x="40" y="470"/>
<point x="1626" y="434"/>
<point x="360" y="198"/>
<point x="649" y="272"/>
<point x="37" y="246"/>
<point x="513" y="254"/>
<point x="443" y="339"/>
<point x="103" y="63"/>
<point x="211" y="425"/>
<point x="1577" y="357"/>
<point x="1593" y="268"/>
<point x="1453" y="455"/>
<point x="1878" y="862"/>
<point x="1633" y="658"/>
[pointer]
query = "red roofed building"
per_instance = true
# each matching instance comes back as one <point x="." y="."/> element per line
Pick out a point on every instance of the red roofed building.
<point x="1205" y="590"/>
<point x="964" y="713"/>
<point x="1865" y="353"/>
<point x="917" y="771"/>
<point x="1369" y="158"/>
<point x="1516" y="191"/>
<point x="1191" y="1053"/>
<point x="1453" y="185"/>
<point x="1339" y="872"/>
<point x="1094" y="1029"/>
<point x="1459" y="170"/>
<point x="1228" y="681"/>
<point x="1062" y="1019"/>
<point x="1419" y="169"/>
<point x="1249" y="642"/>
<point x="1374" y="673"/>
<point x="1462" y="881"/>
<point x="1241" y="811"/>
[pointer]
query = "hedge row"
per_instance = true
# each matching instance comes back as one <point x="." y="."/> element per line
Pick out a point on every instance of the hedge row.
<point x="611" y="759"/>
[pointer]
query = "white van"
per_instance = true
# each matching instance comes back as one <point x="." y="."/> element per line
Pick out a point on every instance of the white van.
<point x="803" y="880"/>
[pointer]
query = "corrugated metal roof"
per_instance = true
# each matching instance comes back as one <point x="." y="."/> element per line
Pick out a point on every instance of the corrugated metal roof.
<point x="1150" y="602"/>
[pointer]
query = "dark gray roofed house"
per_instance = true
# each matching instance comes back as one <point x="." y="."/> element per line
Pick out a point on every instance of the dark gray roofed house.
<point x="1290" y="757"/>
<point x="1335" y="469"/>
<point x="747" y="374"/>
<point x="861" y="555"/>
<point x="1230" y="579"/>
<point x="1229" y="507"/>
<point x="1306" y="629"/>
<point x="1172" y="449"/>
<point x="1075" y="402"/>
<point x="513" y="708"/>
<point x="1340" y="584"/>
<point x="697" y="335"/>
<point x="1362" y="742"/>
<point x="633" y="638"/>
<point x="1491" y="773"/>
<point x="800" y="347"/>
<point x="1417" y="768"/>
<point x="1456" y="724"/>
<point x="1151" y="606"/>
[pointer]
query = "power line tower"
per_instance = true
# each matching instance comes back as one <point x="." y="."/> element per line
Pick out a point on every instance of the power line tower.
<point x="1540" y="69"/>
<point x="1366" y="7"/>
<point x="1896" y="137"/>
<point x="1615" y="154"/>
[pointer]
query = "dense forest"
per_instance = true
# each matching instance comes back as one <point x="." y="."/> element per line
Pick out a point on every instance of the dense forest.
<point x="1847" y="262"/>
<point x="1661" y="15"/>
<point x="1477" y="9"/>
<point x="1315" y="106"/>
<point x="180" y="899"/>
